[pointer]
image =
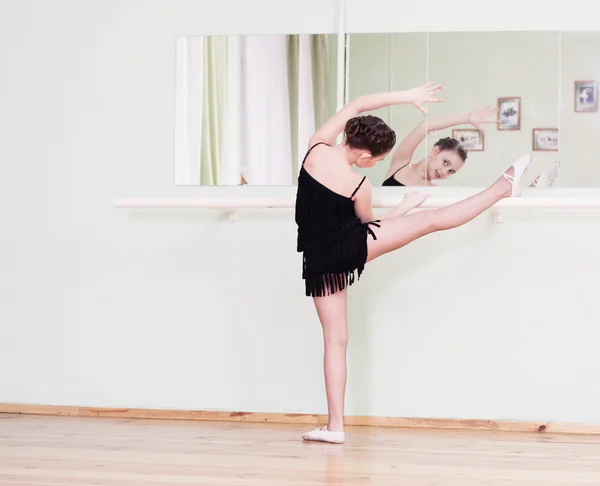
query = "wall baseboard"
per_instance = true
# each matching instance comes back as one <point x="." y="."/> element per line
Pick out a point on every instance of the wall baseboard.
<point x="308" y="419"/>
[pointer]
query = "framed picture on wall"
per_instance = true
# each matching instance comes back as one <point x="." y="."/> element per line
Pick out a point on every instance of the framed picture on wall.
<point x="586" y="96"/>
<point x="509" y="113"/>
<point x="469" y="138"/>
<point x="545" y="139"/>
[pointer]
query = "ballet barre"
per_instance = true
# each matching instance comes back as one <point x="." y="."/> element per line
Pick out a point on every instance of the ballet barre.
<point x="231" y="204"/>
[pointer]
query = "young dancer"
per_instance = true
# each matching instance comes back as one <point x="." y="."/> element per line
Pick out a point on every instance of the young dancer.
<point x="447" y="156"/>
<point x="338" y="233"/>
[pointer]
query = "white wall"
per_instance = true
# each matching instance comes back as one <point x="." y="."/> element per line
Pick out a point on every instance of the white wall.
<point x="470" y="15"/>
<point x="183" y="310"/>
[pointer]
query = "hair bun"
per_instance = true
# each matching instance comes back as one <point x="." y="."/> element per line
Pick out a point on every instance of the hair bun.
<point x="354" y="127"/>
<point x="370" y="133"/>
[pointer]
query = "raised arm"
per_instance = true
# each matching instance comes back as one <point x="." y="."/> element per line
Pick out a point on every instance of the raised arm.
<point x="363" y="204"/>
<point x="417" y="97"/>
<point x="407" y="147"/>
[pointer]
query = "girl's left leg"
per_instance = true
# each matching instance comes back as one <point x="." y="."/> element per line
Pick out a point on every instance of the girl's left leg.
<point x="396" y="232"/>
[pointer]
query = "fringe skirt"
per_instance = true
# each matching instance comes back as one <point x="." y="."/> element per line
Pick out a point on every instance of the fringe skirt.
<point x="337" y="262"/>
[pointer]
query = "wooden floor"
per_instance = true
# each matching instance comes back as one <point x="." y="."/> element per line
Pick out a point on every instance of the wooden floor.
<point x="60" y="451"/>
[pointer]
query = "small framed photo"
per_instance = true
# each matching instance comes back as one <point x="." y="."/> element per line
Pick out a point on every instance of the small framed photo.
<point x="469" y="138"/>
<point x="545" y="139"/>
<point x="586" y="96"/>
<point x="509" y="112"/>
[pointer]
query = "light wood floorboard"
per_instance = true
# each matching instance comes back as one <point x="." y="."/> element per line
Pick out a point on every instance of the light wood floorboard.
<point x="67" y="451"/>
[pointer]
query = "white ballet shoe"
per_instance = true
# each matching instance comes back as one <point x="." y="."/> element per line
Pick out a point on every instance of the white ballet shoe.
<point x="324" y="435"/>
<point x="520" y="167"/>
<point x="548" y="177"/>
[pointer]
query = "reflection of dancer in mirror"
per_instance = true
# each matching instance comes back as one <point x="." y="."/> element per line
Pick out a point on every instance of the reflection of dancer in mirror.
<point x="447" y="156"/>
<point x="337" y="230"/>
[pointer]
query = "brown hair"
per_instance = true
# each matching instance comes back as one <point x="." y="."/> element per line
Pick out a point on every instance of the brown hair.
<point x="452" y="145"/>
<point x="370" y="133"/>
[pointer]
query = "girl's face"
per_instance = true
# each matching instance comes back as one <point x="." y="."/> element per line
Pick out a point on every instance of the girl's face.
<point x="443" y="164"/>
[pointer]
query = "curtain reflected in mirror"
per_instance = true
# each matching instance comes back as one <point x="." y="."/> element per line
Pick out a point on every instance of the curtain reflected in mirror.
<point x="246" y="106"/>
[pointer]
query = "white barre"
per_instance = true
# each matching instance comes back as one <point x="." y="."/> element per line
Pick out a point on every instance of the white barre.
<point x="234" y="203"/>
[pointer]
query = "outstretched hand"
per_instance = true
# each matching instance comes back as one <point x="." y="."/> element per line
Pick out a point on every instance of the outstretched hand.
<point x="411" y="201"/>
<point x="415" y="199"/>
<point x="424" y="94"/>
<point x="478" y="117"/>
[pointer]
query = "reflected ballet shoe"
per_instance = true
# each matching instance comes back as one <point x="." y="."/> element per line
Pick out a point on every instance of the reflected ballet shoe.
<point x="324" y="435"/>
<point x="548" y="177"/>
<point x="520" y="167"/>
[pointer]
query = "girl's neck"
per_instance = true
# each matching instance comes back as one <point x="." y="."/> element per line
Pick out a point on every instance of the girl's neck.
<point x="351" y="156"/>
<point x="421" y="169"/>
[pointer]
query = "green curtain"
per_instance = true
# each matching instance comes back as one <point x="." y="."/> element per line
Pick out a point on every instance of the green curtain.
<point x="214" y="95"/>
<point x="293" y="60"/>
<point x="320" y="77"/>
<point x="213" y="109"/>
<point x="321" y="87"/>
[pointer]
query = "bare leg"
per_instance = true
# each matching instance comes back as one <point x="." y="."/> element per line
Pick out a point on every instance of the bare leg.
<point x="332" y="311"/>
<point x="399" y="231"/>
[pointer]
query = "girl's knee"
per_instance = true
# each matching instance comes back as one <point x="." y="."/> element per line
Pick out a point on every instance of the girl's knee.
<point x="431" y="221"/>
<point x="336" y="339"/>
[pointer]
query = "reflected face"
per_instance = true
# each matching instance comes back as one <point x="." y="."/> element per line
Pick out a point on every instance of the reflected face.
<point x="443" y="164"/>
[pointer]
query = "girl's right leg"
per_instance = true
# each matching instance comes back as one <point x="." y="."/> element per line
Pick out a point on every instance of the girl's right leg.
<point x="396" y="232"/>
<point x="332" y="311"/>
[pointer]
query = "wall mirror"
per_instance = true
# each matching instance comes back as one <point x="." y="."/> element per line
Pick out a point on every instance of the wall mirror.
<point x="247" y="105"/>
<point x="516" y="73"/>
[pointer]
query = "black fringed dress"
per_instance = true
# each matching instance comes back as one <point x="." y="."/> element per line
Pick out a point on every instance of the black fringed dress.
<point x="331" y="237"/>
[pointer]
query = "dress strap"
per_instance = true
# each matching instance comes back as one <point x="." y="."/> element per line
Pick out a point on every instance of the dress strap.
<point x="399" y="170"/>
<point x="358" y="187"/>
<point x="309" y="150"/>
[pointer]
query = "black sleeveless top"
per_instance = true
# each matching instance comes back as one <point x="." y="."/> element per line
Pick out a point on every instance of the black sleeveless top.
<point x="391" y="181"/>
<point x="331" y="237"/>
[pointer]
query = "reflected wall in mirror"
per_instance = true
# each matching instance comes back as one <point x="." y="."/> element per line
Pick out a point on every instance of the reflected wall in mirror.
<point x="389" y="62"/>
<point x="247" y="105"/>
<point x="515" y="73"/>
<point x="579" y="117"/>
<point x="500" y="88"/>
